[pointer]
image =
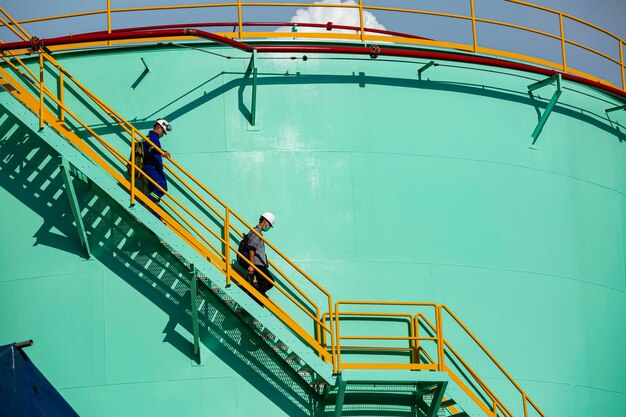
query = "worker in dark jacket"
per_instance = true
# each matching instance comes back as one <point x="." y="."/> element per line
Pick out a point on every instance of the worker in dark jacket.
<point x="153" y="159"/>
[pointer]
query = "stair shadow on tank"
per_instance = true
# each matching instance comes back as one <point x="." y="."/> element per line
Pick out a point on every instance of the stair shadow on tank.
<point x="29" y="172"/>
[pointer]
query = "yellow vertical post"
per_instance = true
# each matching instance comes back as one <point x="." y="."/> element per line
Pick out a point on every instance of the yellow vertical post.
<point x="621" y="60"/>
<point x="361" y="20"/>
<point x="331" y="325"/>
<point x="239" y="19"/>
<point x="61" y="95"/>
<point x="41" y="90"/>
<point x="474" y="37"/>
<point x="414" y="343"/>
<point x="132" y="167"/>
<point x="109" y="19"/>
<point x="227" y="244"/>
<point x="337" y="340"/>
<point x="440" y="365"/>
<point x="525" y="406"/>
<point x="563" y="55"/>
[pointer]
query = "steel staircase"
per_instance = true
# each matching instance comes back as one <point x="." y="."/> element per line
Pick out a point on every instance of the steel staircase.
<point x="309" y="339"/>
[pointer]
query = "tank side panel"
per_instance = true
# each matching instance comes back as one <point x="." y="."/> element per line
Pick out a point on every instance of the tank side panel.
<point x="386" y="187"/>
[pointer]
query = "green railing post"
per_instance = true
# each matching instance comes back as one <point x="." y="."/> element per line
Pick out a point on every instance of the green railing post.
<point x="194" y="312"/>
<point x="71" y="195"/>
<point x="109" y="19"/>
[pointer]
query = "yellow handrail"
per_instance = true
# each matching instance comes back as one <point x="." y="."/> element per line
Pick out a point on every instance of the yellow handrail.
<point x="363" y="35"/>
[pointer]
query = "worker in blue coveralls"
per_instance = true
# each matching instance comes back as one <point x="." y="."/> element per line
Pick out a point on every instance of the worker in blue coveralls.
<point x="153" y="159"/>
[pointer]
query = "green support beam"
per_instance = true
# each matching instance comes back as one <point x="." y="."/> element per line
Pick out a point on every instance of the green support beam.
<point x="433" y="410"/>
<point x="71" y="195"/>
<point x="341" y="394"/>
<point x="194" y="312"/>
<point x="544" y="117"/>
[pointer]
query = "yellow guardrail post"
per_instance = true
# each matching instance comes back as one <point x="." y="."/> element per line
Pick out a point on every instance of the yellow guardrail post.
<point x="226" y="245"/>
<point x="474" y="37"/>
<point x="132" y="168"/>
<point x="563" y="55"/>
<point x="41" y="87"/>
<point x="239" y="21"/>
<point x="361" y="20"/>
<point x="61" y="96"/>
<point x="333" y="345"/>
<point x="414" y="342"/>
<point x="109" y="19"/>
<point x="440" y="365"/>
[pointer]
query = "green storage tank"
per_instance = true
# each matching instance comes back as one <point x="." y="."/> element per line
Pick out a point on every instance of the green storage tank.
<point x="388" y="185"/>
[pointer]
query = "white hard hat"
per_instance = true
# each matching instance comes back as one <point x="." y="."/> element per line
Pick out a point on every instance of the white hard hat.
<point x="167" y="127"/>
<point x="269" y="217"/>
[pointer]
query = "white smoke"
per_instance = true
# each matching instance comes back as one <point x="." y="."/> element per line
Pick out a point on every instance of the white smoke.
<point x="336" y="15"/>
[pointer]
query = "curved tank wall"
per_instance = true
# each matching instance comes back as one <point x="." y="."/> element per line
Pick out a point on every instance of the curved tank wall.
<point x="386" y="187"/>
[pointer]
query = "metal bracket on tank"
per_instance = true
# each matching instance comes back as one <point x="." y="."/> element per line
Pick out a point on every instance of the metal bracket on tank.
<point x="71" y="195"/>
<point x="544" y="117"/>
<point x="194" y="312"/>
<point x="252" y="68"/>
<point x="424" y="68"/>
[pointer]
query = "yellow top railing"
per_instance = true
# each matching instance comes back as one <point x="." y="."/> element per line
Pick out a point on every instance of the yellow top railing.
<point x="615" y="75"/>
<point x="191" y="221"/>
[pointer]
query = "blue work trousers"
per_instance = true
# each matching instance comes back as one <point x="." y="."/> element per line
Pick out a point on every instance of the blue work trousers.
<point x="158" y="176"/>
